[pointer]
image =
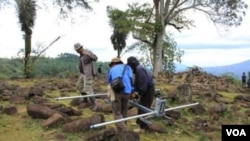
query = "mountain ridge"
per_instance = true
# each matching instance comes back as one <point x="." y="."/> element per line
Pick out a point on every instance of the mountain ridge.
<point x="236" y="69"/>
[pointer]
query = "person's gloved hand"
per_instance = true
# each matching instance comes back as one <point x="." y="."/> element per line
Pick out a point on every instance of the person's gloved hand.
<point x="134" y="96"/>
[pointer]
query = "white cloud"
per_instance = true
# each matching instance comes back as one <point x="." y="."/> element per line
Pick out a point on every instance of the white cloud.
<point x="206" y="46"/>
<point x="215" y="57"/>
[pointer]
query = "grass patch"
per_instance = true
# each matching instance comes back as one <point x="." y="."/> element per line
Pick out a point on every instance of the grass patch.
<point x="227" y="97"/>
<point x="19" y="128"/>
<point x="22" y="127"/>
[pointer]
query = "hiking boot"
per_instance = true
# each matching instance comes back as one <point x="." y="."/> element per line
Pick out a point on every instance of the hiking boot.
<point x="85" y="100"/>
<point x="94" y="108"/>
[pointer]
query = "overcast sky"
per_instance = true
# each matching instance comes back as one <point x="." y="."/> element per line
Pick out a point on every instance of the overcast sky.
<point x="203" y="45"/>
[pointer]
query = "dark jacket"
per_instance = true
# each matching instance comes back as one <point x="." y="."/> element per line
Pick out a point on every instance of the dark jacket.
<point x="143" y="78"/>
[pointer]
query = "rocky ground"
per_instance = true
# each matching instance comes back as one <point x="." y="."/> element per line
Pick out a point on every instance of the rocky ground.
<point x="220" y="102"/>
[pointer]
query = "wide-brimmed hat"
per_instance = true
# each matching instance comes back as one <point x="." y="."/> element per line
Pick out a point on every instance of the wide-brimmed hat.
<point x="77" y="46"/>
<point x="115" y="60"/>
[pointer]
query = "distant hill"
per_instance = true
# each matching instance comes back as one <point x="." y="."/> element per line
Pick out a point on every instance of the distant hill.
<point x="236" y="69"/>
<point x="181" y="67"/>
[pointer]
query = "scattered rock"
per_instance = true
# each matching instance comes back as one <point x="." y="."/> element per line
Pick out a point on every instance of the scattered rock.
<point x="101" y="135"/>
<point x="53" y="120"/>
<point x="39" y="111"/>
<point x="84" y="124"/>
<point x="10" y="110"/>
<point x="126" y="136"/>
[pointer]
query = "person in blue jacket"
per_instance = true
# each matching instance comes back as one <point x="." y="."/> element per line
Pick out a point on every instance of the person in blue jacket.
<point x="144" y="85"/>
<point x="120" y="103"/>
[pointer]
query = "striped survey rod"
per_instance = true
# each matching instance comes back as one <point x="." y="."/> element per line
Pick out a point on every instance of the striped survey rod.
<point x="82" y="96"/>
<point x="142" y="115"/>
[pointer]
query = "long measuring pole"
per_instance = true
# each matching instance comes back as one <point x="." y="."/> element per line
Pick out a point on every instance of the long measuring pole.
<point x="142" y="115"/>
<point x="120" y="120"/>
<point x="81" y="96"/>
<point x="182" y="106"/>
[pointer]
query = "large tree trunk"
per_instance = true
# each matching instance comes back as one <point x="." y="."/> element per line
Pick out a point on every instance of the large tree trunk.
<point x="157" y="49"/>
<point x="119" y="51"/>
<point x="27" y="65"/>
<point x="157" y="54"/>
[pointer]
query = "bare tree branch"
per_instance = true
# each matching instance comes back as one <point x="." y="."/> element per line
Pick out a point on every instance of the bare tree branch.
<point x="142" y="40"/>
<point x="41" y="52"/>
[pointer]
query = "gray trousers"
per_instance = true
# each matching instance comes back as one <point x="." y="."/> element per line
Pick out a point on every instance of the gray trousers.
<point x="85" y="86"/>
<point x="120" y="109"/>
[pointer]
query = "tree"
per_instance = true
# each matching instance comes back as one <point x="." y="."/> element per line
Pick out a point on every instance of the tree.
<point x="170" y="53"/>
<point x="140" y="23"/>
<point x="150" y="21"/>
<point x="27" y="15"/>
<point x="171" y="13"/>
<point x="119" y="21"/>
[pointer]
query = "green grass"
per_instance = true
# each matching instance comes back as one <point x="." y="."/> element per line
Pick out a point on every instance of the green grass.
<point x="19" y="127"/>
<point x="22" y="127"/>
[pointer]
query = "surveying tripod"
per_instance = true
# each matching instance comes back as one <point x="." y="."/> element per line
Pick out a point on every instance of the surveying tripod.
<point x="159" y="109"/>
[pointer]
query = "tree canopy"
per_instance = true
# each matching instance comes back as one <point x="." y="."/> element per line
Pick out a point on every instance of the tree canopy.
<point x="119" y="22"/>
<point x="150" y="21"/>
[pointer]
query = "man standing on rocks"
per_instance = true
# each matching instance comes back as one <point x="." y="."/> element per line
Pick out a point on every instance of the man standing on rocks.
<point x="86" y="68"/>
